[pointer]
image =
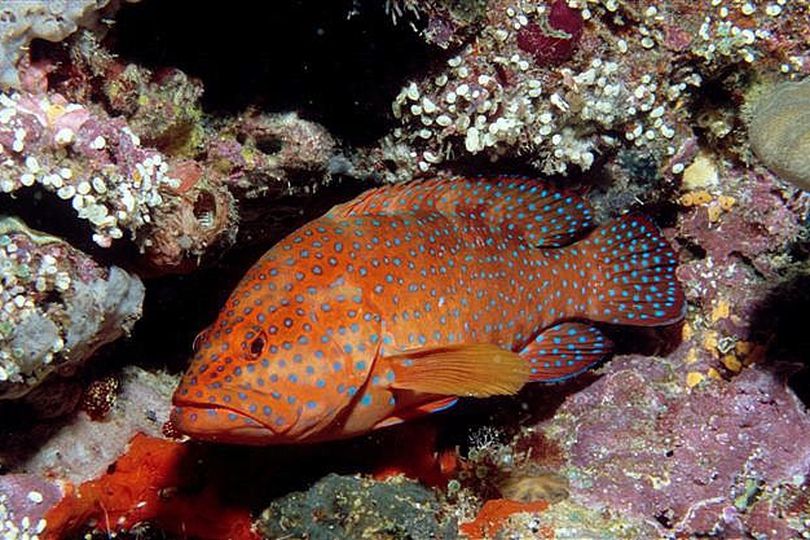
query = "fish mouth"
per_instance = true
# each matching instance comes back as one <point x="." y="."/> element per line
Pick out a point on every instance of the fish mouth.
<point x="220" y="424"/>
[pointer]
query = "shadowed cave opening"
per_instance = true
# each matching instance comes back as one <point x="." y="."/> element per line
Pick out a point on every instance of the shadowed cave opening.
<point x="340" y="63"/>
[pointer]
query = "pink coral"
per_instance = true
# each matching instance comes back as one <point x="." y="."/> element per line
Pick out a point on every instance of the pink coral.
<point x="552" y="41"/>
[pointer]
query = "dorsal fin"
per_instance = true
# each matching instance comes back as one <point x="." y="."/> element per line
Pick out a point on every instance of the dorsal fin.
<point x="542" y="214"/>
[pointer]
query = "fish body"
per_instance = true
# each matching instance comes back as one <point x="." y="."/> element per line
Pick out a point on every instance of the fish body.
<point x="393" y="305"/>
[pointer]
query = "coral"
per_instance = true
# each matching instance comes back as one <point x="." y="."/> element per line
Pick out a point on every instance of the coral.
<point x="549" y="487"/>
<point x="554" y="39"/>
<point x="161" y="107"/>
<point x="568" y="520"/>
<point x="153" y="481"/>
<point x="354" y="507"/>
<point x="81" y="448"/>
<point x="24" y="500"/>
<point x="494" y="516"/>
<point x="743" y="225"/>
<point x="58" y="305"/>
<point x="274" y="154"/>
<point x="66" y="149"/>
<point x="623" y="78"/>
<point x="97" y="164"/>
<point x="21" y="22"/>
<point x="692" y="461"/>
<point x="780" y="131"/>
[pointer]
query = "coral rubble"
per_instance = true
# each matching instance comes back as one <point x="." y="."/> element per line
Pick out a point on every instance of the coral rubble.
<point x="23" y="21"/>
<point x="641" y="442"/>
<point x="512" y="89"/>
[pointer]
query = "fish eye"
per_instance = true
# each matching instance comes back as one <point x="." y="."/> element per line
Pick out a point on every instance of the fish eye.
<point x="256" y="346"/>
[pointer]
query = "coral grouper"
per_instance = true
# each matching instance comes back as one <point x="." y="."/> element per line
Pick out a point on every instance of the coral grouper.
<point x="394" y="304"/>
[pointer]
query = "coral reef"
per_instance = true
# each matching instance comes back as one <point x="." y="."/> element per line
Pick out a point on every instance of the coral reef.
<point x="778" y="131"/>
<point x="353" y="507"/>
<point x="97" y="165"/>
<point x="692" y="110"/>
<point x="714" y="458"/>
<point x="81" y="447"/>
<point x="21" y="22"/>
<point x="625" y="74"/>
<point x="153" y="481"/>
<point x="59" y="307"/>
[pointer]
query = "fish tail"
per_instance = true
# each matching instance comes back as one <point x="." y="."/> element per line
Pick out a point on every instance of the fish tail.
<point x="632" y="274"/>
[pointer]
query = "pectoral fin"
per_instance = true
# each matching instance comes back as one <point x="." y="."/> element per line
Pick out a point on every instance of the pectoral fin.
<point x="478" y="370"/>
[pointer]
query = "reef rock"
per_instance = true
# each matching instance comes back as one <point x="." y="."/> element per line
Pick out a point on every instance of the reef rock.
<point x="780" y="131"/>
<point x="717" y="458"/>
<point x="354" y="507"/>
<point x="59" y="307"/>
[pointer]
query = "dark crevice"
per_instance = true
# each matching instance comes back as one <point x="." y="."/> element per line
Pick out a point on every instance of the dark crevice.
<point x="696" y="251"/>
<point x="748" y="262"/>
<point x="340" y="63"/>
<point x="780" y="322"/>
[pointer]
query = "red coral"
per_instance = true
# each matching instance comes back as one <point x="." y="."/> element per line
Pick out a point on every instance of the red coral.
<point x="151" y="482"/>
<point x="494" y="514"/>
<point x="555" y="39"/>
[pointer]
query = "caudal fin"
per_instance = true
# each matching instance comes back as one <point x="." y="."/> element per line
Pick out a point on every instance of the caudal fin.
<point x="633" y="274"/>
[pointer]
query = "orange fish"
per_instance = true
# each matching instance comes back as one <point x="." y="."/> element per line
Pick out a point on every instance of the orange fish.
<point x="394" y="304"/>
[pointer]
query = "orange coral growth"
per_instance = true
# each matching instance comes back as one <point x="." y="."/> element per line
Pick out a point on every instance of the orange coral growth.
<point x="151" y="482"/>
<point x="494" y="514"/>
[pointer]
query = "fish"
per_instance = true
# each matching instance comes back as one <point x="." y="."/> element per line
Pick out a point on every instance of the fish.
<point x="398" y="303"/>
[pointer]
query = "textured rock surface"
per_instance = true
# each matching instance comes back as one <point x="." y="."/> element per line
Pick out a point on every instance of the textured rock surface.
<point x="24" y="20"/>
<point x="82" y="447"/>
<point x="59" y="307"/>
<point x="780" y="131"/>
<point x="352" y="507"/>
<point x="723" y="457"/>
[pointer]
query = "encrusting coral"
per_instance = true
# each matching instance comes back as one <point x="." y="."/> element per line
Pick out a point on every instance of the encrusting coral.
<point x="780" y="131"/>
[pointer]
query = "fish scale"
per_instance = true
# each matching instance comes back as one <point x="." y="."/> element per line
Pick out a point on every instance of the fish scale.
<point x="396" y="303"/>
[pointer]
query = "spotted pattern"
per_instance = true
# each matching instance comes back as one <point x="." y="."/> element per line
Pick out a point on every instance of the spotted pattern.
<point x="299" y="347"/>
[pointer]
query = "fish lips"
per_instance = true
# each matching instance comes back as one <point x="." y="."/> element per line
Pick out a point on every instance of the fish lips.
<point x="220" y="424"/>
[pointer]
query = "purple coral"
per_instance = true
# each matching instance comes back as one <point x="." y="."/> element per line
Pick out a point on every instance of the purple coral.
<point x="552" y="41"/>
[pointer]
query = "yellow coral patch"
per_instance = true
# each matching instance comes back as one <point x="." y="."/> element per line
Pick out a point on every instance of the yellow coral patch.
<point x="710" y="341"/>
<point x="696" y="198"/>
<point x="687" y="332"/>
<point x="714" y="211"/>
<point x="721" y="310"/>
<point x="732" y="363"/>
<point x="694" y="378"/>
<point x="726" y="202"/>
